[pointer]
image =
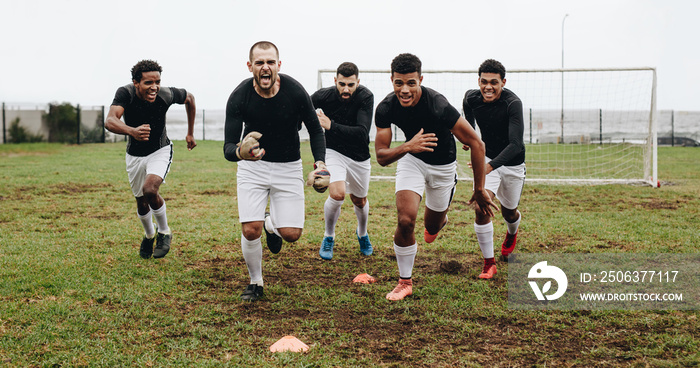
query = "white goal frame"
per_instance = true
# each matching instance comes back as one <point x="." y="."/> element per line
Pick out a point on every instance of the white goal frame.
<point x="462" y="80"/>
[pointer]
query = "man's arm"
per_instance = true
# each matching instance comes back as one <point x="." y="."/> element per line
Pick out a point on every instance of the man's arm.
<point x="115" y="125"/>
<point x="357" y="132"/>
<point x="469" y="116"/>
<point x="516" y="128"/>
<point x="313" y="126"/>
<point x="467" y="135"/>
<point x="233" y="127"/>
<point x="386" y="154"/>
<point x="468" y="112"/>
<point x="191" y="109"/>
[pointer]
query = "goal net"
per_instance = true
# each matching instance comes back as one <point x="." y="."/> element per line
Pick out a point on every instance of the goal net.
<point x="581" y="125"/>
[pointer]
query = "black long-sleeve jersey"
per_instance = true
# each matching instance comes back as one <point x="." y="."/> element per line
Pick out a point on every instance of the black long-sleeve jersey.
<point x="138" y="112"/>
<point x="278" y="119"/>
<point x="501" y="125"/>
<point x="433" y="113"/>
<point x="350" y="120"/>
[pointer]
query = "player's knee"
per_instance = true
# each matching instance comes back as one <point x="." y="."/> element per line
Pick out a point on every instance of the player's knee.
<point x="359" y="202"/>
<point x="336" y="190"/>
<point x="406" y="223"/>
<point x="251" y="231"/>
<point x="150" y="191"/>
<point x="290" y="234"/>
<point x="338" y="195"/>
<point x="510" y="215"/>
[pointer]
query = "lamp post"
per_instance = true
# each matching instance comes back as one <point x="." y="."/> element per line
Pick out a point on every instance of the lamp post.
<point x="561" y="121"/>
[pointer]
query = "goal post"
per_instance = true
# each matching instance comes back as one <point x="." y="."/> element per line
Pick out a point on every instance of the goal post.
<point x="581" y="125"/>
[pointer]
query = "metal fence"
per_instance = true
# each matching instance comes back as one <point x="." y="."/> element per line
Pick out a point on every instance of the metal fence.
<point x="676" y="128"/>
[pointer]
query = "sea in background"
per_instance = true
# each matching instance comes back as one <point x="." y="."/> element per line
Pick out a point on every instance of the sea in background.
<point x="544" y="126"/>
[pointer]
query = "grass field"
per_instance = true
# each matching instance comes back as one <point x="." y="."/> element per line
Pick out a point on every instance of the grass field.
<point x="74" y="292"/>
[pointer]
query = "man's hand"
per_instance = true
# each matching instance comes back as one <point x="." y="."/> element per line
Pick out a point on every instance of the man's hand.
<point x="320" y="178"/>
<point x="422" y="142"/>
<point x="482" y="202"/>
<point x="190" y="142"/>
<point x="249" y="148"/>
<point x="141" y="132"/>
<point x="323" y="119"/>
<point x="488" y="167"/>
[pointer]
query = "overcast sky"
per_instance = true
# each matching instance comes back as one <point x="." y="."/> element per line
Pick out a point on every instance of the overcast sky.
<point x="81" y="51"/>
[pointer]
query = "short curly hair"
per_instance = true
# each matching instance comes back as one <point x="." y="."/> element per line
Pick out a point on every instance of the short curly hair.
<point x="405" y="64"/>
<point x="348" y="69"/>
<point x="492" y="66"/>
<point x="144" y="66"/>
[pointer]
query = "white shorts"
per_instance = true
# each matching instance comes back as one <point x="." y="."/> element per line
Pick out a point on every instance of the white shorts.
<point x="355" y="174"/>
<point x="138" y="167"/>
<point x="281" y="182"/>
<point x="438" y="181"/>
<point x="506" y="183"/>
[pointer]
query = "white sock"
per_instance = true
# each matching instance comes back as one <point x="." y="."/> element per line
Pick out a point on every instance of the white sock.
<point x="270" y="227"/>
<point x="362" y="218"/>
<point x="147" y="222"/>
<point x="331" y="212"/>
<point x="252" y="253"/>
<point x="161" y="219"/>
<point x="484" y="234"/>
<point x="405" y="256"/>
<point x="513" y="227"/>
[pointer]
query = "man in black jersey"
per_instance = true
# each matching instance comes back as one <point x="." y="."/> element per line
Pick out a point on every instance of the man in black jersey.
<point x="426" y="161"/>
<point x="149" y="152"/>
<point x="345" y="112"/>
<point x="499" y="113"/>
<point x="272" y="107"/>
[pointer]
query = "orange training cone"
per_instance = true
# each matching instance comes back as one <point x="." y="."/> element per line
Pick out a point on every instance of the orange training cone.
<point x="289" y="343"/>
<point x="364" y="278"/>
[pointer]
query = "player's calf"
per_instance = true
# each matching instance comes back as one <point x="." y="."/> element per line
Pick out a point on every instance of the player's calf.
<point x="428" y="237"/>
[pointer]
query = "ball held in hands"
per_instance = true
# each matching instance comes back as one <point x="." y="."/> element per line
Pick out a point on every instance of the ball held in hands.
<point x="249" y="148"/>
<point x="320" y="178"/>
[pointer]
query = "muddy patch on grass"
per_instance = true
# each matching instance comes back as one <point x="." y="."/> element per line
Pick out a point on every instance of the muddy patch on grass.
<point x="218" y="192"/>
<point x="317" y="302"/>
<point x="450" y="267"/>
<point x="76" y="188"/>
<point x="661" y="204"/>
<point x="68" y="189"/>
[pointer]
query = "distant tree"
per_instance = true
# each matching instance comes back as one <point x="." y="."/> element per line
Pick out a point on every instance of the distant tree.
<point x="19" y="134"/>
<point x="61" y="121"/>
<point x="95" y="134"/>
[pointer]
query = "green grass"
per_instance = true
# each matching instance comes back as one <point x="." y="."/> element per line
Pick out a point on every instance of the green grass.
<point x="74" y="291"/>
